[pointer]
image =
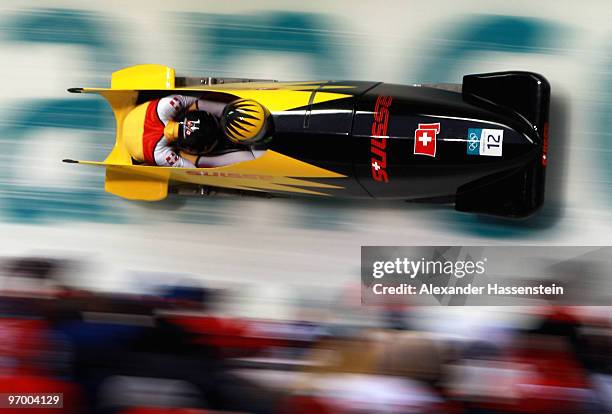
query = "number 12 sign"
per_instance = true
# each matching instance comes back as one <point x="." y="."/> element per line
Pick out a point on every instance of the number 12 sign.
<point x="485" y="142"/>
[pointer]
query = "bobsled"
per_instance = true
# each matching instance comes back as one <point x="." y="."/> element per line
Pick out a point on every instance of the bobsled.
<point x="480" y="145"/>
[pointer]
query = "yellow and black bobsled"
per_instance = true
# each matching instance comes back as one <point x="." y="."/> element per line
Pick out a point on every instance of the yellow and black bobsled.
<point x="481" y="145"/>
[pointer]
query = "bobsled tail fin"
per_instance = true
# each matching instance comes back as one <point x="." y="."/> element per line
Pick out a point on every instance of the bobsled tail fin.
<point x="134" y="182"/>
<point x="141" y="77"/>
<point x="519" y="192"/>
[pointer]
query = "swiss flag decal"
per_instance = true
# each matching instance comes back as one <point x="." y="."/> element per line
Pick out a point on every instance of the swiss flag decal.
<point x="425" y="139"/>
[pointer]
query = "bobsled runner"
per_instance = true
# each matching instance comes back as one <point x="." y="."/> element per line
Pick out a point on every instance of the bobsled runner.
<point x="481" y="145"/>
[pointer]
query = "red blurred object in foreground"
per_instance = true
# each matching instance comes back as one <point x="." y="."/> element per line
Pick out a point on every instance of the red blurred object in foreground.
<point x="230" y="337"/>
<point x="24" y="342"/>
<point x="24" y="384"/>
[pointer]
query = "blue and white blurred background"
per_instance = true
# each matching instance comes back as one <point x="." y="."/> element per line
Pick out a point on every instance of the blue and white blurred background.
<point x="49" y="207"/>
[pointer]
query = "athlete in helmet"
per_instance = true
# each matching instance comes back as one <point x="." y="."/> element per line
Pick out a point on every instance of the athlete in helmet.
<point x="244" y="121"/>
<point x="182" y="131"/>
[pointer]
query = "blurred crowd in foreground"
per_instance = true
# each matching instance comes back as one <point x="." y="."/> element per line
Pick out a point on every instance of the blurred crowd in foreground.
<point x="178" y="351"/>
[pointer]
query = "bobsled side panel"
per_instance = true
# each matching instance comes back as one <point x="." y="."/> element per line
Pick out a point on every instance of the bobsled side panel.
<point x="320" y="134"/>
<point x="272" y="172"/>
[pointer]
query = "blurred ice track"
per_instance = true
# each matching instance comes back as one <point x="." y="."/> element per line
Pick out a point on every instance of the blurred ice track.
<point x="55" y="209"/>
